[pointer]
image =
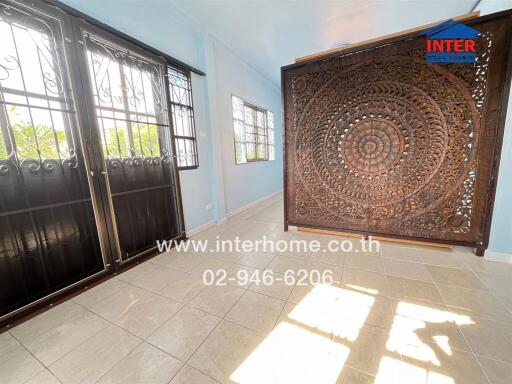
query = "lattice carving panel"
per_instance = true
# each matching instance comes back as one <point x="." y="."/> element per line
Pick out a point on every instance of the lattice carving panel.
<point x="380" y="141"/>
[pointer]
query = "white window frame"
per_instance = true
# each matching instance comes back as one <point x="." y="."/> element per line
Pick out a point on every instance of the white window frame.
<point x="253" y="132"/>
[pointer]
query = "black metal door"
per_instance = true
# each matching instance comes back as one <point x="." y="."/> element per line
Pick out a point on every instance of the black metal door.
<point x="130" y="117"/>
<point x="49" y="220"/>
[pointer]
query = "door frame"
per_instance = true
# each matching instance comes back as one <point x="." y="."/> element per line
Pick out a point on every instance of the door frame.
<point x="82" y="142"/>
<point x="81" y="27"/>
<point x="72" y="23"/>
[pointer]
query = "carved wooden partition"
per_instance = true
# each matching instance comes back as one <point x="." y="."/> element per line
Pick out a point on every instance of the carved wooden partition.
<point x="378" y="141"/>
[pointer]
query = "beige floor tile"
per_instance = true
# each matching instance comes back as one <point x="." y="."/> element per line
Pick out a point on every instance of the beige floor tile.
<point x="450" y="250"/>
<point x="16" y="364"/>
<point x="100" y="292"/>
<point x="442" y="367"/>
<point x="216" y="299"/>
<point x="441" y="258"/>
<point x="278" y="287"/>
<point x="350" y="375"/>
<point x="146" y="316"/>
<point x="95" y="357"/>
<point x="412" y="312"/>
<point x="331" y="258"/>
<point x="362" y="261"/>
<point x="400" y="252"/>
<point x="401" y="288"/>
<point x="417" y="320"/>
<point x="489" y="339"/>
<point x="332" y="310"/>
<point x="284" y="316"/>
<point x="256" y="259"/>
<point x="230" y="256"/>
<point x="211" y="264"/>
<point x="292" y="354"/>
<point x="282" y="263"/>
<point x="242" y="276"/>
<point x="320" y="273"/>
<point x="365" y="247"/>
<point x="184" y="289"/>
<point x="143" y="365"/>
<point x="506" y="301"/>
<point x="498" y="372"/>
<point x="299" y="292"/>
<point x="479" y="303"/>
<point x="152" y="277"/>
<point x="180" y="261"/>
<point x="116" y="306"/>
<point x="56" y="342"/>
<point x="457" y="277"/>
<point x="366" y="281"/>
<point x="45" y="321"/>
<point x="183" y="333"/>
<point x="43" y="377"/>
<point x="414" y="271"/>
<point x="189" y="375"/>
<point x="256" y="311"/>
<point x="481" y="265"/>
<point x="497" y="283"/>
<point x="225" y="350"/>
<point x="366" y="353"/>
<point x="381" y="312"/>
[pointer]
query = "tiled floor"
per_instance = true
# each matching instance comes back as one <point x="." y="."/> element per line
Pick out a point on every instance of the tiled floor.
<point x="402" y="315"/>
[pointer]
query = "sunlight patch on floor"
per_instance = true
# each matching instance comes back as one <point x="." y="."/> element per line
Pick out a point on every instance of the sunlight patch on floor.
<point x="302" y="348"/>
<point x="409" y="320"/>
<point x="330" y="309"/>
<point x="371" y="291"/>
<point x="393" y="371"/>
<point x="291" y="354"/>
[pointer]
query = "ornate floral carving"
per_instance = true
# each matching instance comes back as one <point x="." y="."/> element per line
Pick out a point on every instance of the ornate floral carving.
<point x="387" y="142"/>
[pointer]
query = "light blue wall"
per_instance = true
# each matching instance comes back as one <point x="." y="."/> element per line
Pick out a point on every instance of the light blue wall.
<point x="501" y="229"/>
<point x="245" y="183"/>
<point x="217" y="187"/>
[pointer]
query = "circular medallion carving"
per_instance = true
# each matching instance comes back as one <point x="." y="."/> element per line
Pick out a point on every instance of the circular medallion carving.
<point x="372" y="147"/>
<point x="382" y="148"/>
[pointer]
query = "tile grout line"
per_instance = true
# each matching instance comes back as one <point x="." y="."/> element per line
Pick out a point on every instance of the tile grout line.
<point x="210" y="333"/>
<point x="466" y="340"/>
<point x="183" y="305"/>
<point x="44" y="367"/>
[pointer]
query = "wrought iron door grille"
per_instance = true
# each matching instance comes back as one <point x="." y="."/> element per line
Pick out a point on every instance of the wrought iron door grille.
<point x="129" y="96"/>
<point x="48" y="228"/>
<point x="36" y="110"/>
<point x="127" y="93"/>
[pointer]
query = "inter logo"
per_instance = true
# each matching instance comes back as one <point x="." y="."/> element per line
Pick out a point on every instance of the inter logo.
<point x="451" y="42"/>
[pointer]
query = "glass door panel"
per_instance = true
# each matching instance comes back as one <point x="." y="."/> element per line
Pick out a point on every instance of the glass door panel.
<point x="48" y="223"/>
<point x="132" y="121"/>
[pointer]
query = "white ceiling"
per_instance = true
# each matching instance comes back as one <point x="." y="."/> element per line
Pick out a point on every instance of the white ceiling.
<point x="269" y="34"/>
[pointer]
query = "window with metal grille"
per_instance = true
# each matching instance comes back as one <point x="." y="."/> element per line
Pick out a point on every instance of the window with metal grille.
<point x="254" y="132"/>
<point x="36" y="110"/>
<point x="128" y="101"/>
<point x="182" y="110"/>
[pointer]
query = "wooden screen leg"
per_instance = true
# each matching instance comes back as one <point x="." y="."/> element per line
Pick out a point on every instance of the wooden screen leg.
<point x="480" y="251"/>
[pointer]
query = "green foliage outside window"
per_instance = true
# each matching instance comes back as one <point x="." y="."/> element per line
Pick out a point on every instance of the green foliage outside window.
<point x="34" y="141"/>
<point x="29" y="139"/>
<point x="145" y="141"/>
